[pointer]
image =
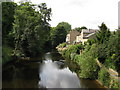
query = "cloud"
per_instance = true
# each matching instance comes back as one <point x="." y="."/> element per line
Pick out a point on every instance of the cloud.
<point x="53" y="77"/>
<point x="89" y="13"/>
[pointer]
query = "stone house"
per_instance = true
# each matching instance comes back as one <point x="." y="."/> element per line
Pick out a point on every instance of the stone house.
<point x="77" y="37"/>
<point x="71" y="37"/>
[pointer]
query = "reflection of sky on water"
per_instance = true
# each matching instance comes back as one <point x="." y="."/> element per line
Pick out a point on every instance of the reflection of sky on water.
<point x="48" y="74"/>
<point x="53" y="77"/>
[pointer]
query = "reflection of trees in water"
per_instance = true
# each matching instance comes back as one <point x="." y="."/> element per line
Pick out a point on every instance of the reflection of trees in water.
<point x="73" y="66"/>
<point x="8" y="73"/>
<point x="59" y="60"/>
<point x="56" y="56"/>
<point x="21" y="77"/>
<point x="61" y="64"/>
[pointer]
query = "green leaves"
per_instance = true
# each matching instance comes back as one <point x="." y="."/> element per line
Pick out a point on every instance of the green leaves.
<point x="58" y="35"/>
<point x="31" y="28"/>
<point x="103" y="34"/>
<point x="66" y="25"/>
<point x="8" y="10"/>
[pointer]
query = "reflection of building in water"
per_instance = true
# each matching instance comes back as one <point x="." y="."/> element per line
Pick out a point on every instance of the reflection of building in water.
<point x="77" y="37"/>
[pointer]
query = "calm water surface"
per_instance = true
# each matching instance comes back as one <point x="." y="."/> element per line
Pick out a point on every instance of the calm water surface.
<point x="52" y="71"/>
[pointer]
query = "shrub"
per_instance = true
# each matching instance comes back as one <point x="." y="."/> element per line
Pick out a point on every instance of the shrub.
<point x="109" y="63"/>
<point x="87" y="63"/>
<point x="73" y="49"/>
<point x="88" y="66"/>
<point x="72" y="56"/>
<point x="61" y="45"/>
<point x="114" y="83"/>
<point x="108" y="80"/>
<point x="104" y="77"/>
<point x="6" y="54"/>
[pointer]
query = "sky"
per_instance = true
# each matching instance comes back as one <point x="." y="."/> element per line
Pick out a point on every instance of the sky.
<point x="89" y="13"/>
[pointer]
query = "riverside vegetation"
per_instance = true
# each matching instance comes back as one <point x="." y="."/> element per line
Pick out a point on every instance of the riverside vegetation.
<point x="26" y="32"/>
<point x="104" y="47"/>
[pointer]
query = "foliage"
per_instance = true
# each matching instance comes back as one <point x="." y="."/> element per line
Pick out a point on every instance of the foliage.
<point x="113" y="49"/>
<point x="6" y="54"/>
<point x="103" y="34"/>
<point x="66" y="25"/>
<point x="58" y="35"/>
<point x="62" y="45"/>
<point x="86" y="60"/>
<point x="71" y="49"/>
<point x="114" y="84"/>
<point x="108" y="80"/>
<point x="8" y="10"/>
<point x="101" y="52"/>
<point x="79" y="29"/>
<point x="104" y="77"/>
<point x="31" y="28"/>
<point x="104" y="46"/>
<point x="88" y="65"/>
<point x="110" y="62"/>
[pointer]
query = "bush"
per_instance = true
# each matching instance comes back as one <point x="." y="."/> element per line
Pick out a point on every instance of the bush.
<point x="73" y="49"/>
<point x="6" y="54"/>
<point x="62" y="45"/>
<point x="72" y="56"/>
<point x="108" y="80"/>
<point x="88" y="66"/>
<point x="114" y="83"/>
<point x="86" y="60"/>
<point x="104" y="77"/>
<point x="109" y="63"/>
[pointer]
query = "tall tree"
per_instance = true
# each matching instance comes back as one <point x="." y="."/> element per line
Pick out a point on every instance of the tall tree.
<point x="114" y="48"/>
<point x="31" y="28"/>
<point x="58" y="35"/>
<point x="8" y="10"/>
<point x="103" y="34"/>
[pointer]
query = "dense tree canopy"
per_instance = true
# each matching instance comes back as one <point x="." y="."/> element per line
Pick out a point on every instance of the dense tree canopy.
<point x="31" y="28"/>
<point x="66" y="25"/>
<point x="8" y="10"/>
<point x="103" y="34"/>
<point x="58" y="35"/>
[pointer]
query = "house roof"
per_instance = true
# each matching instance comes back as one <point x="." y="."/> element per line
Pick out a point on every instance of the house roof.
<point x="89" y="30"/>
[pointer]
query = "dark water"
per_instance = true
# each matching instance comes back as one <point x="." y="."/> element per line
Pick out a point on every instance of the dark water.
<point x="52" y="71"/>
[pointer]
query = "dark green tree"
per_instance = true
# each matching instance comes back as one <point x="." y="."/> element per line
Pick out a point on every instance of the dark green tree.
<point x="31" y="28"/>
<point x="8" y="10"/>
<point x="114" y="49"/>
<point x="103" y="34"/>
<point x="58" y="35"/>
<point x="66" y="25"/>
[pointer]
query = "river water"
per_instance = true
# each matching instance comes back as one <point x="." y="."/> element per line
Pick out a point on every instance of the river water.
<point x="52" y="71"/>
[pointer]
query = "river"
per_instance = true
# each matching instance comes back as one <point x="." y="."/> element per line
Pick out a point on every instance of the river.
<point x="52" y="71"/>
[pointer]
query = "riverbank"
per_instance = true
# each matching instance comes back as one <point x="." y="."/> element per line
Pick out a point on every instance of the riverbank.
<point x="52" y="72"/>
<point x="85" y="57"/>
